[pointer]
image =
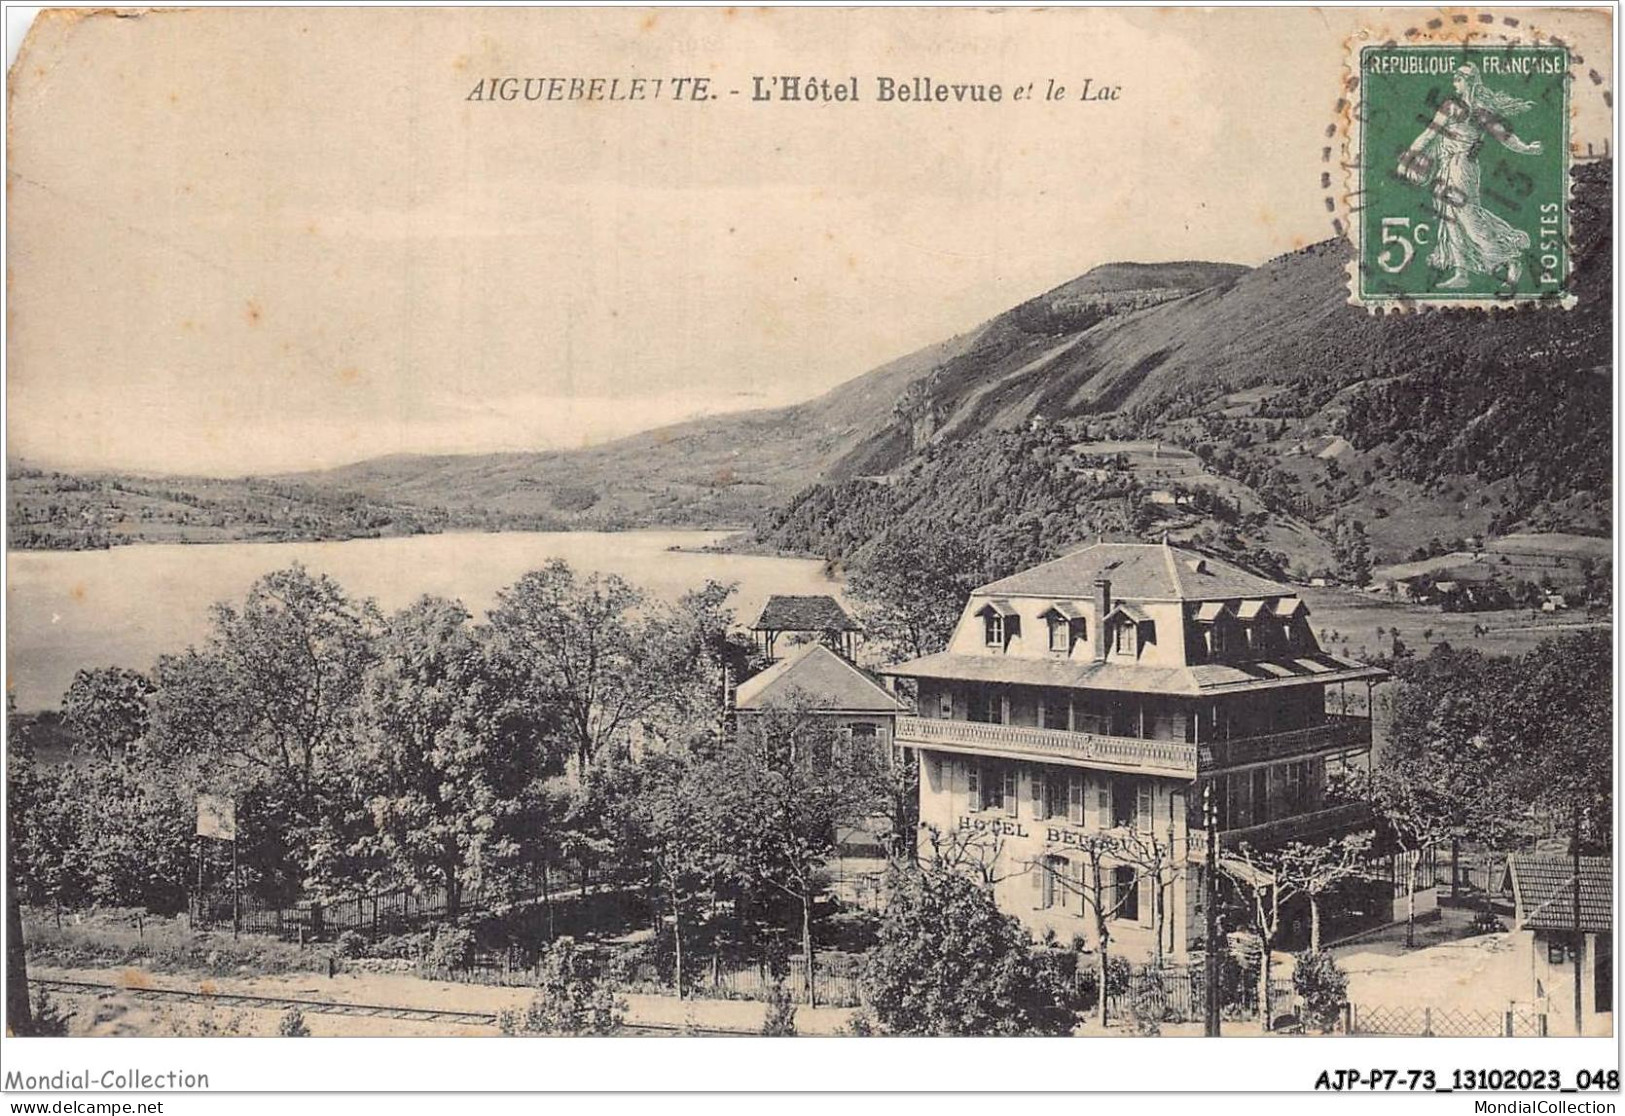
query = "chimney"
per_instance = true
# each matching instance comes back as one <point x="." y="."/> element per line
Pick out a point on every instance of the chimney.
<point x="1103" y="605"/>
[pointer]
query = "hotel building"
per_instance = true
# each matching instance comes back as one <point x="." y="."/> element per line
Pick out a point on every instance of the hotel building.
<point x="1099" y="694"/>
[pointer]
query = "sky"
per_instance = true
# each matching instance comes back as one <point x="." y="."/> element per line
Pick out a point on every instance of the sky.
<point x="247" y="240"/>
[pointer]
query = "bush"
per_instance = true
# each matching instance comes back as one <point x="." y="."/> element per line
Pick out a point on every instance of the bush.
<point x="780" y="1019"/>
<point x="350" y="944"/>
<point x="860" y="1024"/>
<point x="949" y="962"/>
<point x="1118" y="972"/>
<point x="452" y="947"/>
<point x="406" y="947"/>
<point x="50" y="1021"/>
<point x="576" y="995"/>
<point x="1322" y="987"/>
<point x="292" y="1025"/>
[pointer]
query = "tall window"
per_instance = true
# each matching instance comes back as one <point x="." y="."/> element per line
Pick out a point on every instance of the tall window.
<point x="1053" y="709"/>
<point x="1054" y="887"/>
<point x="986" y="705"/>
<point x="1057" y="795"/>
<point x="1125" y="803"/>
<point x="1126" y="893"/>
<point x="992" y="787"/>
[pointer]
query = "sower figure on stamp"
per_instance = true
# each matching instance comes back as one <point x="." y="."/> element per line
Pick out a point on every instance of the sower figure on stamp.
<point x="1470" y="239"/>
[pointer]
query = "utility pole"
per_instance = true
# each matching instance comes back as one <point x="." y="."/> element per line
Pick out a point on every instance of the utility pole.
<point x="1579" y="935"/>
<point x="1210" y="907"/>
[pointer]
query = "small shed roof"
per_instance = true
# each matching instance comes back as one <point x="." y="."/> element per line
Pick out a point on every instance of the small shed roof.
<point x="1543" y="892"/>
<point x="804" y="614"/>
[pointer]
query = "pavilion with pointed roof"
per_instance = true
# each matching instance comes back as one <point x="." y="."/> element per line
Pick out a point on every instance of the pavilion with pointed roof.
<point x="818" y="615"/>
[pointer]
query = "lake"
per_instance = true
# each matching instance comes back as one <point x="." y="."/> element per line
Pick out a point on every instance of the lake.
<point x="128" y="605"/>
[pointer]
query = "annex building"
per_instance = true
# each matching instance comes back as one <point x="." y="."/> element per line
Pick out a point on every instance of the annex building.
<point x="1099" y="694"/>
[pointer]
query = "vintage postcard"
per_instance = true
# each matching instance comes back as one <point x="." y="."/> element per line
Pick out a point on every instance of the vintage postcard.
<point x="713" y="522"/>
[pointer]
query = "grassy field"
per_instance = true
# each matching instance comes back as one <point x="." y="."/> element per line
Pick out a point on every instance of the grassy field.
<point x="1356" y="624"/>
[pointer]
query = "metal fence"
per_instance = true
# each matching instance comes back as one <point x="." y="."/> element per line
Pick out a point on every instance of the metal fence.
<point x="1469" y="870"/>
<point x="837" y="983"/>
<point x="1442" y="1022"/>
<point x="1181" y="992"/>
<point x="379" y="914"/>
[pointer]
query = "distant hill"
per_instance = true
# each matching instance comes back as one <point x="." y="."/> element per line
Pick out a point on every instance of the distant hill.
<point x="1302" y="413"/>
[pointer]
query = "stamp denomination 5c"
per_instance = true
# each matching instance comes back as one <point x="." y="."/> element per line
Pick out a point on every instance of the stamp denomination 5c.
<point x="1462" y="157"/>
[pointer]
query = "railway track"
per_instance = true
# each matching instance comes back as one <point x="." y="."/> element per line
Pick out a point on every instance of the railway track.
<point x="327" y="1007"/>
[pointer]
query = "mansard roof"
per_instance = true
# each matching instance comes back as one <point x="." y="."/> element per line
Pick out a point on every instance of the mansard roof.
<point x="1137" y="571"/>
<point x="1201" y="679"/>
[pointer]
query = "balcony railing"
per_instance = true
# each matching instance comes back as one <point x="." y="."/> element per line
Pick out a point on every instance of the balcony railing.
<point x="1347" y="815"/>
<point x="1337" y="732"/>
<point x="1122" y="753"/>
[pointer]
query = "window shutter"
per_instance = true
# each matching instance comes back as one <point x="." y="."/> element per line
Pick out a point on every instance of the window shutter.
<point x="973" y="785"/>
<point x="1011" y="791"/>
<point x="1146" y="811"/>
<point x="1036" y="790"/>
<point x="1145" y="898"/>
<point x="1108" y="893"/>
<point x="1074" y="798"/>
<point x="1103" y="804"/>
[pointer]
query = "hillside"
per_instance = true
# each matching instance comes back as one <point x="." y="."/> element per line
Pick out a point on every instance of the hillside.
<point x="1421" y="427"/>
<point x="1300" y="414"/>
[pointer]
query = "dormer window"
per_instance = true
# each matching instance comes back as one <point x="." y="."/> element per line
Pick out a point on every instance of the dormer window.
<point x="1000" y="624"/>
<point x="1067" y="627"/>
<point x="1130" y="630"/>
<point x="1125" y="641"/>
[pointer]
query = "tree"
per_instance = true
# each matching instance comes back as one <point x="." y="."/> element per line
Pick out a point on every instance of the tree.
<point x="1315" y="869"/>
<point x="1557" y="721"/>
<point x="266" y="712"/>
<point x="663" y="813"/>
<point x="449" y="744"/>
<point x="784" y="787"/>
<point x="1102" y="852"/>
<point x="1413" y="801"/>
<point x="1258" y="879"/>
<point x="106" y="710"/>
<point x="604" y="659"/>
<point x="912" y="585"/>
<point x="1353" y="552"/>
<point x="949" y="962"/>
<point x="1153" y="856"/>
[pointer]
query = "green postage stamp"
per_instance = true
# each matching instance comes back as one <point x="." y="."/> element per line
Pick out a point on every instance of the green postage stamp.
<point x="1462" y="158"/>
